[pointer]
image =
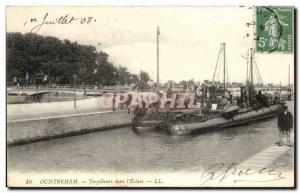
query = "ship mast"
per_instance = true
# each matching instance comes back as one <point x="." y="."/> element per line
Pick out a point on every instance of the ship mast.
<point x="247" y="74"/>
<point x="251" y="82"/>
<point x="157" y="56"/>
<point x="224" y="69"/>
<point x="251" y="66"/>
<point x="221" y="61"/>
<point x="289" y="77"/>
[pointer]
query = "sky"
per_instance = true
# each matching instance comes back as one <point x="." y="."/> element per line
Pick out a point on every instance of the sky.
<point x="190" y="38"/>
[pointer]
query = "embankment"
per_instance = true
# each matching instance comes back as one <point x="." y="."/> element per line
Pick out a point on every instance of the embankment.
<point x="40" y="121"/>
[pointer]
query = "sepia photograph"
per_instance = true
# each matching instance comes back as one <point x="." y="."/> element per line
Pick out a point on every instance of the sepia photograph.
<point x="150" y="96"/>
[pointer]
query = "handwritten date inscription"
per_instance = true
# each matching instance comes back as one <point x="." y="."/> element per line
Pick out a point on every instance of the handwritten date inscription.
<point x="65" y="19"/>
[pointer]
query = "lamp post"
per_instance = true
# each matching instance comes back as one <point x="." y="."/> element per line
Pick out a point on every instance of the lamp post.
<point x="74" y="85"/>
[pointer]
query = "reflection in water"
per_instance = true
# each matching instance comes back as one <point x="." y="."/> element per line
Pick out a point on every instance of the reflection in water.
<point x="124" y="150"/>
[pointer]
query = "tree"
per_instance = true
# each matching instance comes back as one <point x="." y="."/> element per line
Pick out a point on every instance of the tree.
<point x="183" y="84"/>
<point x="191" y="82"/>
<point x="124" y="75"/>
<point x="134" y="79"/>
<point x="40" y="56"/>
<point x="170" y="83"/>
<point x="144" y="79"/>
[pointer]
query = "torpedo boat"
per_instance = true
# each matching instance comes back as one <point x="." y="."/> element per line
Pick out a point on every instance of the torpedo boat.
<point x="218" y="109"/>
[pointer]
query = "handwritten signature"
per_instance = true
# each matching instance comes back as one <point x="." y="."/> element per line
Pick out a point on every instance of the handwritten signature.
<point x="61" y="20"/>
<point x="220" y="171"/>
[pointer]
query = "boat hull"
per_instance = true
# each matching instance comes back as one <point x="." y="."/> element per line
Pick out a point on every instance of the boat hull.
<point x="221" y="122"/>
<point x="146" y="126"/>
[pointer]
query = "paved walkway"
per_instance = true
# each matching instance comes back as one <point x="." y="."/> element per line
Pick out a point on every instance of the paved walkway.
<point x="285" y="161"/>
<point x="13" y="118"/>
<point x="266" y="157"/>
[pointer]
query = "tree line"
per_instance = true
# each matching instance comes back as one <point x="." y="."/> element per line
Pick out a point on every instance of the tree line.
<point x="35" y="59"/>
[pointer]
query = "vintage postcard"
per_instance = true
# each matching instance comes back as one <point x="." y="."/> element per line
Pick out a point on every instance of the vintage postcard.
<point x="171" y="96"/>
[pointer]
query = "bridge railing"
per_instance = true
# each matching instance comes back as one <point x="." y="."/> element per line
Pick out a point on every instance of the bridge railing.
<point x="70" y="86"/>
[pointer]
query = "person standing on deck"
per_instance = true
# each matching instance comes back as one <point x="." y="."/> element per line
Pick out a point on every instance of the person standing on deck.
<point x="285" y="125"/>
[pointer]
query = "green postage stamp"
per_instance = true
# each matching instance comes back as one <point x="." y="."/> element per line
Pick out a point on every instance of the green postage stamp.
<point x="275" y="29"/>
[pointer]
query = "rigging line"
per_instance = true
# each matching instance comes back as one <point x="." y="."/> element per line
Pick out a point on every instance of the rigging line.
<point x="260" y="78"/>
<point x="247" y="73"/>
<point x="219" y="64"/>
<point x="227" y="73"/>
<point x="259" y="73"/>
<point x="216" y="65"/>
<point x="249" y="65"/>
<point x="256" y="73"/>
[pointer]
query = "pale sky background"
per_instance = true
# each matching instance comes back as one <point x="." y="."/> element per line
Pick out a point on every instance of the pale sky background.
<point x="189" y="41"/>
